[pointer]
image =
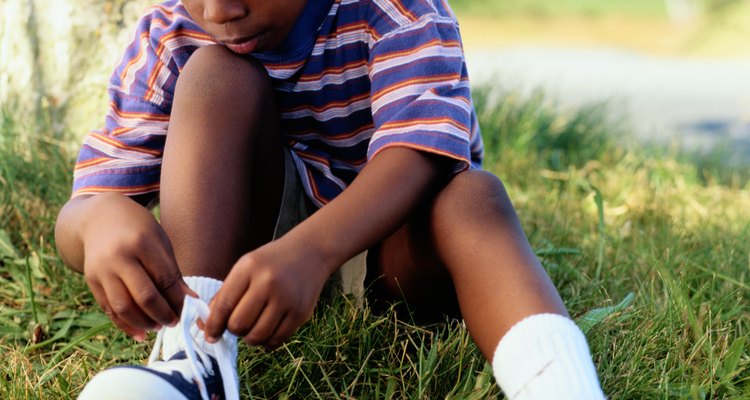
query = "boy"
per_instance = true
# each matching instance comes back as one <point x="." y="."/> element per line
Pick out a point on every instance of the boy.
<point x="246" y="116"/>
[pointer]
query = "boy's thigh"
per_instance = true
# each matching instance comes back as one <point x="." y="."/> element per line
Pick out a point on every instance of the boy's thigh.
<point x="403" y="271"/>
<point x="417" y="263"/>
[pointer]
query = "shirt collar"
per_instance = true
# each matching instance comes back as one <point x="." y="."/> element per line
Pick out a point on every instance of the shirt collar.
<point x="298" y="45"/>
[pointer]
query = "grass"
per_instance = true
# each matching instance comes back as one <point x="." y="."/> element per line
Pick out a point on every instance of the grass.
<point x="720" y="30"/>
<point x="649" y="248"/>
<point x="547" y="8"/>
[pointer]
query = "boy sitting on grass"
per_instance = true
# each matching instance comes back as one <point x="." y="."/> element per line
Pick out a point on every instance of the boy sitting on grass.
<point x="283" y="139"/>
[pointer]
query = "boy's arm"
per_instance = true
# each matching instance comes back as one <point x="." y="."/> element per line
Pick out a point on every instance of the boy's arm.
<point x="376" y="204"/>
<point x="273" y="290"/>
<point x="126" y="258"/>
<point x="113" y="240"/>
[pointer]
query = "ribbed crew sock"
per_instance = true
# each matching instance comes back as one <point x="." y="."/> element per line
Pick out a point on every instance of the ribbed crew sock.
<point x="545" y="356"/>
<point x="205" y="287"/>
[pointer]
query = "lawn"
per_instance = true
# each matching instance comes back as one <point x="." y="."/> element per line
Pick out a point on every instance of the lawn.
<point x="649" y="247"/>
<point x="719" y="29"/>
<point x="594" y="8"/>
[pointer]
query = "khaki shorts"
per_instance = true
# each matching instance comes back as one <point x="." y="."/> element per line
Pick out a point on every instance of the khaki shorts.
<point x="295" y="208"/>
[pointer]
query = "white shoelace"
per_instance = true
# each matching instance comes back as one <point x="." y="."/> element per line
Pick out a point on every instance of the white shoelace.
<point x="193" y="309"/>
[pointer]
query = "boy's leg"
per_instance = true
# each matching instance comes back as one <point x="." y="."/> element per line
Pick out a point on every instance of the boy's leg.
<point x="222" y="174"/>
<point x="221" y="186"/>
<point x="223" y="168"/>
<point x="470" y="239"/>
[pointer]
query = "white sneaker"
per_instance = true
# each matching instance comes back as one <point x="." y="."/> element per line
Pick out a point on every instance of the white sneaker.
<point x="194" y="368"/>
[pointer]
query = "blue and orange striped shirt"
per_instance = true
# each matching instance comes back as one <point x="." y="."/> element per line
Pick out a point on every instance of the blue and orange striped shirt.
<point x="352" y="78"/>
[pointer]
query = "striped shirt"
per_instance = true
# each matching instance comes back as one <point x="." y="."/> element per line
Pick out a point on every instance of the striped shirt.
<point x="352" y="78"/>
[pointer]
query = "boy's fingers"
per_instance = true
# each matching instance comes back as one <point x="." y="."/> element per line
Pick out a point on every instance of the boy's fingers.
<point x="148" y="297"/>
<point x="285" y="330"/>
<point x="267" y="323"/>
<point x="98" y="292"/>
<point x="247" y="311"/>
<point x="137" y="334"/>
<point x="122" y="305"/>
<point x="161" y="266"/>
<point x="222" y="307"/>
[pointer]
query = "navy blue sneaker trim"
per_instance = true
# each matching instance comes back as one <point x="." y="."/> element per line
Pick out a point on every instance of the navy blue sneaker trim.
<point x="189" y="389"/>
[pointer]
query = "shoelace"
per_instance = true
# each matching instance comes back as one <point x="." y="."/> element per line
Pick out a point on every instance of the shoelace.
<point x="193" y="309"/>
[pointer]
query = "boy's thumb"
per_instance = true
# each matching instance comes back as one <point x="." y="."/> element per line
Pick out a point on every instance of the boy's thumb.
<point x="187" y="291"/>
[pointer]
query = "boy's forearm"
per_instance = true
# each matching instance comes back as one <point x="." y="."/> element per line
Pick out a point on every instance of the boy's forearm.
<point x="378" y="202"/>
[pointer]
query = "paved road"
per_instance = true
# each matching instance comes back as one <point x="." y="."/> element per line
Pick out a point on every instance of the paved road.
<point x="701" y="102"/>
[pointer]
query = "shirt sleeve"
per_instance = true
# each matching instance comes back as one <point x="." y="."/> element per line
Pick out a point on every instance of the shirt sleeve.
<point x="125" y="155"/>
<point x="420" y="91"/>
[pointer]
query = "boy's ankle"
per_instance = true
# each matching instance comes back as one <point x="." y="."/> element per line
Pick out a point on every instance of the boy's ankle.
<point x="546" y="356"/>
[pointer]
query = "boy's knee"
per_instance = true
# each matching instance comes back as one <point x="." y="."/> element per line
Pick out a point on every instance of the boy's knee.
<point x="476" y="184"/>
<point x="473" y="189"/>
<point x="215" y="70"/>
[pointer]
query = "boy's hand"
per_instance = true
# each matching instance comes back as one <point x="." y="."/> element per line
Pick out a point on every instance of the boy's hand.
<point x="267" y="295"/>
<point x="130" y="267"/>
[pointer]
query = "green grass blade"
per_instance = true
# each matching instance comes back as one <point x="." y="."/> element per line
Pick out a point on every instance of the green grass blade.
<point x="7" y="250"/>
<point x="598" y="315"/>
<point x="30" y="287"/>
<point x="602" y="242"/>
<point x="732" y="360"/>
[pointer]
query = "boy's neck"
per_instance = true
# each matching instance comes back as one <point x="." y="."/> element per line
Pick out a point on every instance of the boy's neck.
<point x="301" y="39"/>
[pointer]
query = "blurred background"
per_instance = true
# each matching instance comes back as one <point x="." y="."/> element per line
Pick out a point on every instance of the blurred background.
<point x="676" y="71"/>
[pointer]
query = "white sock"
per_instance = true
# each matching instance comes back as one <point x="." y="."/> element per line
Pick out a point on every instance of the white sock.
<point x="206" y="288"/>
<point x="545" y="356"/>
